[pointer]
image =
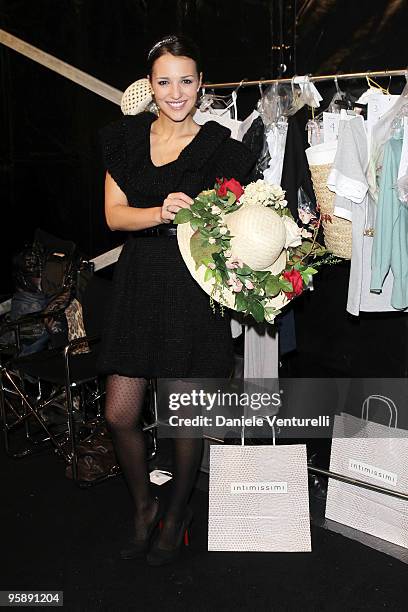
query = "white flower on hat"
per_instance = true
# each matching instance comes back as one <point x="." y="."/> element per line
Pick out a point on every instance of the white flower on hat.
<point x="293" y="233"/>
<point x="305" y="216"/>
<point x="262" y="193"/>
<point x="223" y="230"/>
<point x="216" y="210"/>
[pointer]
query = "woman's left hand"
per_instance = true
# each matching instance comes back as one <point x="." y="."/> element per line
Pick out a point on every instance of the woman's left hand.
<point x="172" y="204"/>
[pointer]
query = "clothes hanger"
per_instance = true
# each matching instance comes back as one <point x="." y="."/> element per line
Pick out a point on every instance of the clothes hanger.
<point x="228" y="96"/>
<point x="314" y="128"/>
<point x="338" y="98"/>
<point x="336" y="83"/>
<point x="228" y="101"/>
<point x="274" y="104"/>
<point x="374" y="85"/>
<point x="297" y="102"/>
<point x="234" y="97"/>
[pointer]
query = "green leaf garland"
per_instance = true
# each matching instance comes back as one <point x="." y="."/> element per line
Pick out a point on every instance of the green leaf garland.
<point x="210" y="246"/>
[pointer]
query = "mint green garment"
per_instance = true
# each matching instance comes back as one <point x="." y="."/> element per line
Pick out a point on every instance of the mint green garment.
<point x="390" y="248"/>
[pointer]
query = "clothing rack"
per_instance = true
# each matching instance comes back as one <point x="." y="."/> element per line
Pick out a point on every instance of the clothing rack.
<point x="327" y="77"/>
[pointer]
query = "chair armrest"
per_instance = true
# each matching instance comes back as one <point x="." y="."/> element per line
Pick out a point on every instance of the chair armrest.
<point x="68" y="351"/>
<point x="29" y="318"/>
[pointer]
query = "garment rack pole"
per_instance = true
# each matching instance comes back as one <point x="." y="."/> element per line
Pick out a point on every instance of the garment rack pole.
<point x="327" y="77"/>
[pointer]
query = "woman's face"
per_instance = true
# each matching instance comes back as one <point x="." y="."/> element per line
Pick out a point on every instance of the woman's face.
<point x="175" y="84"/>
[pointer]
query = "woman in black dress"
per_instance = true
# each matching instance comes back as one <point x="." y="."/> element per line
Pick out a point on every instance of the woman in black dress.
<point x="160" y="323"/>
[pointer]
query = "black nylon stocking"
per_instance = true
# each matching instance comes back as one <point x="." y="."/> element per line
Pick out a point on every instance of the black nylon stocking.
<point x="123" y="410"/>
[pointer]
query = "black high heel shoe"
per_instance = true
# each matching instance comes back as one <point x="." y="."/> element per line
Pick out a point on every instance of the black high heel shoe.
<point x="138" y="548"/>
<point x="161" y="556"/>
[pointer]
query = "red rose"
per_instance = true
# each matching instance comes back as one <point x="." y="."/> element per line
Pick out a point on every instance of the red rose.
<point x="221" y="190"/>
<point x="225" y="185"/>
<point x="294" y="277"/>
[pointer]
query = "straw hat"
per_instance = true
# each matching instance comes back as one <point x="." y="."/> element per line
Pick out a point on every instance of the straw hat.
<point x="136" y="97"/>
<point x="260" y="239"/>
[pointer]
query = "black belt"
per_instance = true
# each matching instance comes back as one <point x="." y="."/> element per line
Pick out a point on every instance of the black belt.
<point x="159" y="230"/>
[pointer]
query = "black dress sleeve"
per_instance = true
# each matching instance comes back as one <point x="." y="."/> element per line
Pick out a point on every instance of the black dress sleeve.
<point x="235" y="160"/>
<point x="112" y="139"/>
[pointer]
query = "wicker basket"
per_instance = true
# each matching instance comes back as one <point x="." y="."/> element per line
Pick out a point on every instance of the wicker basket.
<point x="337" y="231"/>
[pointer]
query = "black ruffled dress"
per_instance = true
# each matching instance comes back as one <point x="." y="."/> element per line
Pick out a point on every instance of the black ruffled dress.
<point x="159" y="322"/>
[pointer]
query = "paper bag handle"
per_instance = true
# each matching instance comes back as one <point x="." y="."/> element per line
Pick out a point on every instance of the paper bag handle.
<point x="387" y="401"/>
<point x="243" y="435"/>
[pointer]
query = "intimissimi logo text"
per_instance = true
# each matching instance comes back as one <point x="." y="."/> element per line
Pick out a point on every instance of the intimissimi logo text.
<point x="259" y="487"/>
<point x="372" y="471"/>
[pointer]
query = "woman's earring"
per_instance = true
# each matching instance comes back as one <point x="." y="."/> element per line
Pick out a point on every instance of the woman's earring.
<point x="153" y="106"/>
<point x="198" y="101"/>
<point x="199" y="97"/>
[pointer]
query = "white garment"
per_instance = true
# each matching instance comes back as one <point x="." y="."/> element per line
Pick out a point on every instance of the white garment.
<point x="246" y="124"/>
<point x="221" y="116"/>
<point x="348" y="180"/>
<point x="323" y="153"/>
<point x="377" y="106"/>
<point x="276" y="140"/>
<point x="261" y="355"/>
<point x="330" y="126"/>
<point x="403" y="167"/>
<point x="368" y="94"/>
<point x="309" y="91"/>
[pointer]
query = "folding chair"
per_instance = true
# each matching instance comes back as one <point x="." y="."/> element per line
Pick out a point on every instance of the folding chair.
<point x="60" y="374"/>
<point x="57" y="374"/>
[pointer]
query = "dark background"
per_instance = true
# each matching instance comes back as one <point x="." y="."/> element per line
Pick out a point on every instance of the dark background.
<point x="51" y="173"/>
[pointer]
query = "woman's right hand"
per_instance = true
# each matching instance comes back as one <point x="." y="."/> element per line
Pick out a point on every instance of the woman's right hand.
<point x="172" y="204"/>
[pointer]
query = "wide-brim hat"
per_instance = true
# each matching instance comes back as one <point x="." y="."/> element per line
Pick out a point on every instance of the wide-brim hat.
<point x="137" y="97"/>
<point x="259" y="237"/>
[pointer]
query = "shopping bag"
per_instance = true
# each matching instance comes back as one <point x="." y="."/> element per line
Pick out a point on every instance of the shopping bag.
<point x="374" y="453"/>
<point x="258" y="499"/>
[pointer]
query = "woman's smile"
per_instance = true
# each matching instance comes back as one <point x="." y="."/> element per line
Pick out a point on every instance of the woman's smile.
<point x="176" y="105"/>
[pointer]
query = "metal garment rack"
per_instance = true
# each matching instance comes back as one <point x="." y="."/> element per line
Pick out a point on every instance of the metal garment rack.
<point x="320" y="78"/>
<point x="313" y="79"/>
